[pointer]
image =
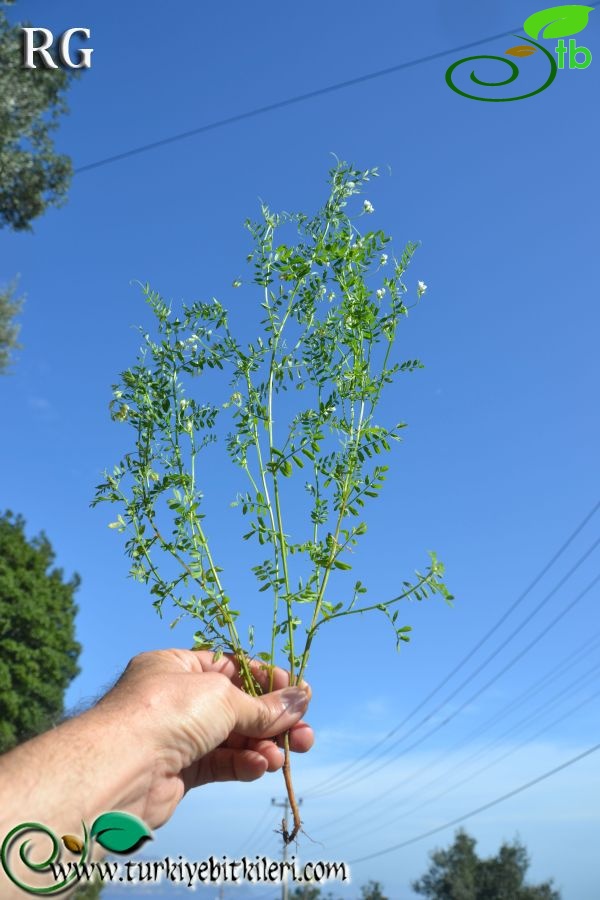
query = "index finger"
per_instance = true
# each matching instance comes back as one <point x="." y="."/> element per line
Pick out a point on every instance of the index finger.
<point x="204" y="661"/>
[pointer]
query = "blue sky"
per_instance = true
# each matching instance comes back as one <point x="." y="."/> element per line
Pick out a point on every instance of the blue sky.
<point x="498" y="465"/>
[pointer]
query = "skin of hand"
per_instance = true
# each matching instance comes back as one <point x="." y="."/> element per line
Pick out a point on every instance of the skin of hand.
<point x="202" y="726"/>
<point x="176" y="719"/>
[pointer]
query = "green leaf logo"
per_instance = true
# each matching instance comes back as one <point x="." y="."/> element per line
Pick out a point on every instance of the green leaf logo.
<point x="557" y="21"/>
<point x="119" y="832"/>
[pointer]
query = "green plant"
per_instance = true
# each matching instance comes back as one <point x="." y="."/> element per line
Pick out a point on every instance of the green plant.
<point x="331" y="304"/>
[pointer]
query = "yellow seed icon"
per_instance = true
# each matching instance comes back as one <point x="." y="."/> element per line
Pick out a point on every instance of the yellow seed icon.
<point x="72" y="843"/>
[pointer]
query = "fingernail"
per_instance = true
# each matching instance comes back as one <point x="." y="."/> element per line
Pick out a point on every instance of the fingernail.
<point x="294" y="699"/>
<point x="306" y="687"/>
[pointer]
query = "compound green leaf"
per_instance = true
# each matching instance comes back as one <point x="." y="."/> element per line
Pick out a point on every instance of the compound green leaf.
<point x="557" y="21"/>
<point x="119" y="832"/>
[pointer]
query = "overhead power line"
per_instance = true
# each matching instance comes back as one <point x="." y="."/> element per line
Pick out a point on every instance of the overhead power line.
<point x="378" y="821"/>
<point x="350" y="816"/>
<point x="257" y="830"/>
<point x="528" y="741"/>
<point x="348" y="774"/>
<point x="479" y="809"/>
<point x="290" y="101"/>
<point x="494" y="678"/>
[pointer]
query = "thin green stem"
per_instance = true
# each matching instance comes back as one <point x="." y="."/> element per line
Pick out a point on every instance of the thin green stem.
<point x="334" y="546"/>
<point x="424" y="579"/>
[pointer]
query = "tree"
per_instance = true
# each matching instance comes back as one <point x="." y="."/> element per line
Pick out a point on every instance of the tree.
<point x="38" y="651"/>
<point x="89" y="891"/>
<point x="310" y="892"/>
<point x="372" y="890"/>
<point x="32" y="175"/>
<point x="10" y="306"/>
<point x="306" y="893"/>
<point x="459" y="874"/>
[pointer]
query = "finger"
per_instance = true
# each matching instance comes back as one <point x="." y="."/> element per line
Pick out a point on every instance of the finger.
<point x="270" y="751"/>
<point x="197" y="661"/>
<point x="269" y="715"/>
<point x="302" y="738"/>
<point x="225" y="764"/>
<point x="270" y="678"/>
<point x="301" y="735"/>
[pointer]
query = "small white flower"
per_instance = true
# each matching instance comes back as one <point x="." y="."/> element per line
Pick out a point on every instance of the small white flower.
<point x="331" y="296"/>
<point x="384" y="259"/>
<point x="351" y="185"/>
<point x="421" y="288"/>
<point x="368" y="206"/>
<point x="380" y="293"/>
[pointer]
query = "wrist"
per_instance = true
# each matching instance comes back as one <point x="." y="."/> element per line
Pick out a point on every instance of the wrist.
<point x="72" y="773"/>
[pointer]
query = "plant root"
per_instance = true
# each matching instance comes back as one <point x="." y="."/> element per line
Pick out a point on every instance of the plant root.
<point x="290" y="835"/>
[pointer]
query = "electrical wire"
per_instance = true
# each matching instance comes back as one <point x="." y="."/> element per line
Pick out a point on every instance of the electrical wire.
<point x="290" y="101"/>
<point x="258" y="828"/>
<point x="469" y="655"/>
<point x="485" y="687"/>
<point x="479" y="809"/>
<point x="558" y="721"/>
<point x="569" y="662"/>
<point x="571" y="689"/>
<point x="498" y="675"/>
<point x="343" y="778"/>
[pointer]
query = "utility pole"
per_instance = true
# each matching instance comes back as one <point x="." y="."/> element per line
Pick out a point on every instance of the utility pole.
<point x="286" y="808"/>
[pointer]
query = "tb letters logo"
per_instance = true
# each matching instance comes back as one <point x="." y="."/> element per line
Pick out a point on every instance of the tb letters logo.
<point x="38" y="41"/>
<point x="555" y="22"/>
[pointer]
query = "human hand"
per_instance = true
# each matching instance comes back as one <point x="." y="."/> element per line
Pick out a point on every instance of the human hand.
<point x="198" y="726"/>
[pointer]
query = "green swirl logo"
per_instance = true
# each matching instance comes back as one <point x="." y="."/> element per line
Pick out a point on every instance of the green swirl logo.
<point x="554" y="22"/>
<point x="116" y="831"/>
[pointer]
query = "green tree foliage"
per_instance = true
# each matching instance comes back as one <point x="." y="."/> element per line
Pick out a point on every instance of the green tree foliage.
<point x="459" y="874"/>
<point x="372" y="890"/>
<point x="38" y="651"/>
<point x="89" y="891"/>
<point x="10" y="306"/>
<point x="310" y="892"/>
<point x="307" y="892"/>
<point x="32" y="175"/>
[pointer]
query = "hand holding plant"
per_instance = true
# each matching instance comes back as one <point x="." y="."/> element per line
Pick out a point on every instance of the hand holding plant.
<point x="302" y="403"/>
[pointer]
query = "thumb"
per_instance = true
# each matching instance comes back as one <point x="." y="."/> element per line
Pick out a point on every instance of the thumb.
<point x="271" y="714"/>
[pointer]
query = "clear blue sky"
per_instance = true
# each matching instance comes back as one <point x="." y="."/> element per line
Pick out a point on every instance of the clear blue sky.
<point x="500" y="460"/>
